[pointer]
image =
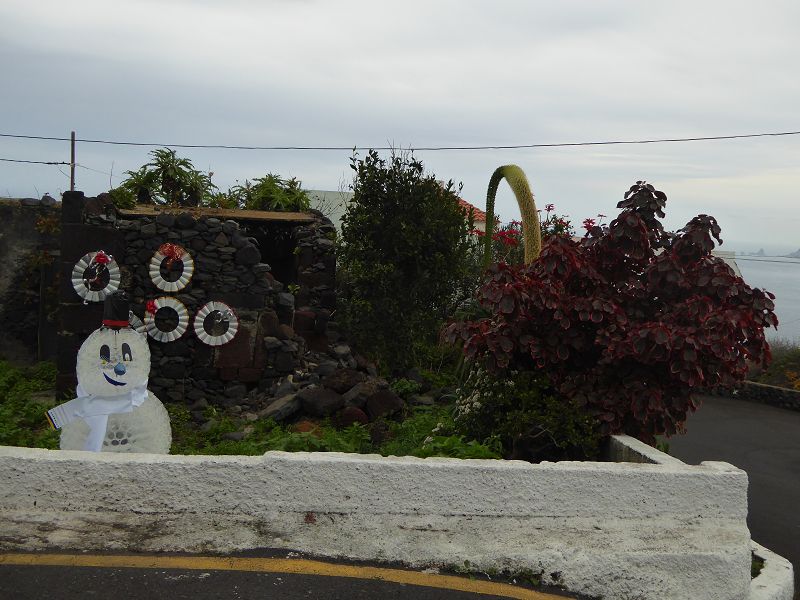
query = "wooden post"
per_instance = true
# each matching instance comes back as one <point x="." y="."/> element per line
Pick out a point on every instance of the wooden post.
<point x="72" y="162"/>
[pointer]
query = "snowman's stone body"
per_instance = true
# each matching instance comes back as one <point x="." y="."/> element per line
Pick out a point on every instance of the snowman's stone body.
<point x="114" y="411"/>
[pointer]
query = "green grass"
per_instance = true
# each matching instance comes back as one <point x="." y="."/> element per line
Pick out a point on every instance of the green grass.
<point x="424" y="431"/>
<point x="23" y="421"/>
<point x="413" y="436"/>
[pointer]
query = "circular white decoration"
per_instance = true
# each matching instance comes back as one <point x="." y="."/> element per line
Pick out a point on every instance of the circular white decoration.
<point x="84" y="291"/>
<point x="183" y="320"/>
<point x="186" y="273"/>
<point x="137" y="324"/>
<point x="146" y="429"/>
<point x="227" y="314"/>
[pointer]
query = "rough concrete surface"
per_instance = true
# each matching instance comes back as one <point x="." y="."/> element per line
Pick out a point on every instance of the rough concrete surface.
<point x="622" y="530"/>
<point x="776" y="579"/>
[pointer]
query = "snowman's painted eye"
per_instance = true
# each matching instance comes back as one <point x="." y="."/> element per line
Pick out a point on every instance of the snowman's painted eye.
<point x="105" y="353"/>
<point x="126" y="352"/>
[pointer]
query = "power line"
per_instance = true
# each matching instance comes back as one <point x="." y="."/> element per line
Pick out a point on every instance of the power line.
<point x="98" y="171"/>
<point x="421" y="148"/>
<point x="34" y="162"/>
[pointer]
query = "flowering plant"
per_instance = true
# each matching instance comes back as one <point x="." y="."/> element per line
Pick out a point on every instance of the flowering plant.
<point x="629" y="322"/>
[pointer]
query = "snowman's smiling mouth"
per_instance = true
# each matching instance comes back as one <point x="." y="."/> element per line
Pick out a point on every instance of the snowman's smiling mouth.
<point x="112" y="382"/>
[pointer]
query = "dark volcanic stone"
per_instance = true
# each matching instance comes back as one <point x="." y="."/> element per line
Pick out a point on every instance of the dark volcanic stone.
<point x="350" y="415"/>
<point x="248" y="255"/>
<point x="173" y="370"/>
<point x="271" y="343"/>
<point x="343" y="380"/>
<point x="284" y="362"/>
<point x="236" y="390"/>
<point x="304" y="320"/>
<point x="176" y="348"/>
<point x="326" y="367"/>
<point x="383" y="404"/>
<point x="358" y="394"/>
<point x="165" y="219"/>
<point x="238" y="241"/>
<point x="185" y="221"/>
<point x="320" y="402"/>
<point x="282" y="408"/>
<point x="286" y="300"/>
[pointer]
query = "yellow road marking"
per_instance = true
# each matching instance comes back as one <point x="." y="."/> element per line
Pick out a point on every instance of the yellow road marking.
<point x="277" y="565"/>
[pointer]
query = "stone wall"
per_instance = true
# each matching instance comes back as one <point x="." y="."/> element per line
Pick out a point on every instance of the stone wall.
<point x="28" y="248"/>
<point x="280" y="321"/>
<point x="768" y="394"/>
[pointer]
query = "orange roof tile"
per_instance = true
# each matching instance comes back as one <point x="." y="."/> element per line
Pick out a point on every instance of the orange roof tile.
<point x="478" y="214"/>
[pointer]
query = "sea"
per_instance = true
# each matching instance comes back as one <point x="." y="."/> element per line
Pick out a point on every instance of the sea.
<point x="781" y="276"/>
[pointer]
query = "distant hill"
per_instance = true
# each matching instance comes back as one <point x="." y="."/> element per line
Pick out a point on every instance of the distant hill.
<point x="795" y="254"/>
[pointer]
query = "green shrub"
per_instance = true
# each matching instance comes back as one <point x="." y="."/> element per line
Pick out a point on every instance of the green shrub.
<point x="784" y="371"/>
<point x="405" y="387"/>
<point x="403" y="259"/>
<point x="22" y="421"/>
<point x="525" y="415"/>
<point x="429" y="431"/>
<point x="122" y="197"/>
<point x="270" y="193"/>
<point x="167" y="179"/>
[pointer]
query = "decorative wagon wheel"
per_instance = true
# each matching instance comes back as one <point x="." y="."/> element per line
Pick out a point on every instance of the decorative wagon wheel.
<point x="216" y="323"/>
<point x="163" y="261"/>
<point x="137" y="323"/>
<point x="95" y="276"/>
<point x="173" y="312"/>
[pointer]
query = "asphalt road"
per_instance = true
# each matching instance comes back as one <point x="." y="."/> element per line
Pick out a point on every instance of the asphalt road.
<point x="32" y="576"/>
<point x="765" y="442"/>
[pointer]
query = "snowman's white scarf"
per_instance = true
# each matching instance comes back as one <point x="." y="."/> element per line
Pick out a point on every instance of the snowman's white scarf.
<point x="95" y="410"/>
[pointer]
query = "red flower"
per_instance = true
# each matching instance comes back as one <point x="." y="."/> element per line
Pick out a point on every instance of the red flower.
<point x="101" y="258"/>
<point x="173" y="252"/>
<point x="549" y="207"/>
<point x="151" y="307"/>
<point x="588" y="224"/>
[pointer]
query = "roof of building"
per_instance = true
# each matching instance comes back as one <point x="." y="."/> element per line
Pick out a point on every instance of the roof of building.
<point x="478" y="214"/>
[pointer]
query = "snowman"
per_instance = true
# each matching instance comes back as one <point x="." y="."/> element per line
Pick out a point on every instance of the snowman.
<point x="114" y="411"/>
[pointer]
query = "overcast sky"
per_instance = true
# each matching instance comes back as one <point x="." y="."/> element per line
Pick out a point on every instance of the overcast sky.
<point x="430" y="73"/>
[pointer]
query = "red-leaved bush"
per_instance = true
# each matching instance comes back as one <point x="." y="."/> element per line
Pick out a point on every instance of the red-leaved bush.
<point x="629" y="322"/>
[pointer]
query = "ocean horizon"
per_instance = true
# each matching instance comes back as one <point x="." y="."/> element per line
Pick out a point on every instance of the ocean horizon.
<point x="781" y="276"/>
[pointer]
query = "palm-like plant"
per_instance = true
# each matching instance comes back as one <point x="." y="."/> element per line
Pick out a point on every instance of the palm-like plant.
<point x="174" y="174"/>
<point x="143" y="184"/>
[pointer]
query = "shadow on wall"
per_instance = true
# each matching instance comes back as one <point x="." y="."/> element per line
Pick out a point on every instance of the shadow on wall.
<point x="28" y="250"/>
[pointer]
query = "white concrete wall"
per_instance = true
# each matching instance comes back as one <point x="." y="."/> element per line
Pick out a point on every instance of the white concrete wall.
<point x="776" y="580"/>
<point x="620" y="530"/>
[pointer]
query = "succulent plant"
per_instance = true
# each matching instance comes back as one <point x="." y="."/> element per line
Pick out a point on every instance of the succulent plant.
<point x="531" y="228"/>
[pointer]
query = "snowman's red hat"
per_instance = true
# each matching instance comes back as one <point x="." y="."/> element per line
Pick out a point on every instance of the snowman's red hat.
<point x="116" y="310"/>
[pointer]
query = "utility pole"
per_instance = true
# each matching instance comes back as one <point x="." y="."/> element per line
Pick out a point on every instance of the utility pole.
<point x="72" y="162"/>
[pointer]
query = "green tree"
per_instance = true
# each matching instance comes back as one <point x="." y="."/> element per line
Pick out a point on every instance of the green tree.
<point x="405" y="250"/>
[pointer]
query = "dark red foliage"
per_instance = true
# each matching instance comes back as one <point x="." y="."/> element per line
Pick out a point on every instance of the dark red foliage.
<point x="629" y="322"/>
